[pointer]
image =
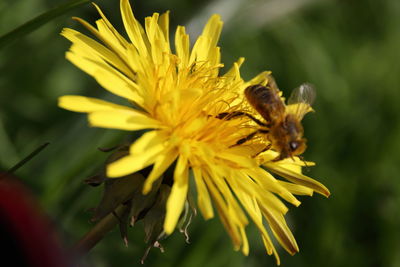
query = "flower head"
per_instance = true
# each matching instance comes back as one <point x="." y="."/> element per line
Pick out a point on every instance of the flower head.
<point x="177" y="97"/>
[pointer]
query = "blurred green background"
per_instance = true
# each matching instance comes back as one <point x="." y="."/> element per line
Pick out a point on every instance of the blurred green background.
<point x="348" y="49"/>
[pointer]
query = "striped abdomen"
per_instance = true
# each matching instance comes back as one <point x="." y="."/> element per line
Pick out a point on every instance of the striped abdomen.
<point x="266" y="101"/>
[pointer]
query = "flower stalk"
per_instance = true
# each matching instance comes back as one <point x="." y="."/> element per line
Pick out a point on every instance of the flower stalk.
<point x="99" y="230"/>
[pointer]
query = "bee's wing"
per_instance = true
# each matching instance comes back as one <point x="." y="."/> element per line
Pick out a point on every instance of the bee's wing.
<point x="305" y="93"/>
<point x="272" y="83"/>
<point x="301" y="99"/>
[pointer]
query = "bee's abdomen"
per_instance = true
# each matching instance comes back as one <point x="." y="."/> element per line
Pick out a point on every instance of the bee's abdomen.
<point x="266" y="101"/>
<point x="258" y="93"/>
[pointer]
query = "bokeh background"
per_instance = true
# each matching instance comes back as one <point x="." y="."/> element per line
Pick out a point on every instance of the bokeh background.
<point x="349" y="49"/>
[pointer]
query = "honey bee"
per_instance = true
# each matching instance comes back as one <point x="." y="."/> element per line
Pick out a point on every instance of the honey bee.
<point x="282" y="123"/>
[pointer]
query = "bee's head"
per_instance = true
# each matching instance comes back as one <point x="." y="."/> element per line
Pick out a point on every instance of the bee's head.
<point x="297" y="147"/>
<point x="291" y="148"/>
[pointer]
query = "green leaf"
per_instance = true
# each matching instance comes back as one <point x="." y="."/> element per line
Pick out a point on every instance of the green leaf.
<point x="39" y="21"/>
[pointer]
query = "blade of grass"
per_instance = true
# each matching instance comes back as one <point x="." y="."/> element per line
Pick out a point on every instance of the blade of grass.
<point x="27" y="158"/>
<point x="39" y="21"/>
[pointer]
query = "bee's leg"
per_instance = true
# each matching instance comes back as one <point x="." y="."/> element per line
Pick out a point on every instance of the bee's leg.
<point x="245" y="139"/>
<point x="307" y="168"/>
<point x="249" y="137"/>
<point x="230" y="115"/>
<point x="264" y="149"/>
<point x="235" y="114"/>
<point x="281" y="156"/>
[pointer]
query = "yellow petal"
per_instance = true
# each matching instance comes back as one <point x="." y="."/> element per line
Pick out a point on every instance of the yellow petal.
<point x="294" y="108"/>
<point x="250" y="204"/>
<point x="265" y="180"/>
<point x="254" y="212"/>
<point x="233" y="73"/>
<point x="106" y="76"/>
<point x="238" y="160"/>
<point x="203" y="197"/>
<point x="100" y="36"/>
<point x="234" y="209"/>
<point x="261" y="78"/>
<point x="88" y="66"/>
<point x="157" y="40"/>
<point x="97" y="49"/>
<point x="246" y="184"/>
<point x="161" y="164"/>
<point x="230" y="225"/>
<point x="118" y="84"/>
<point x="87" y="104"/>
<point x="233" y="77"/>
<point x="123" y="120"/>
<point x="119" y="37"/>
<point x="245" y="245"/>
<point x="147" y="141"/>
<point x="133" y="28"/>
<point x="281" y="230"/>
<point x="182" y="46"/>
<point x="111" y="40"/>
<point x="109" y="35"/>
<point x="177" y="198"/>
<point x="164" y="26"/>
<point x="296" y="188"/>
<point x="151" y="27"/>
<point x="212" y="30"/>
<point x="268" y="182"/>
<point x="298" y="178"/>
<point x="132" y="163"/>
<point x="268" y="243"/>
<point x="292" y="161"/>
<point x="252" y="207"/>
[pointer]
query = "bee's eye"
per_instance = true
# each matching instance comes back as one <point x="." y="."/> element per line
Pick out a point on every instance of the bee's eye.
<point x="293" y="145"/>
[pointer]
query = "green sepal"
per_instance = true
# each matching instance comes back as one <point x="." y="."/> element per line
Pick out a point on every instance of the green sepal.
<point x="154" y="221"/>
<point x="118" y="191"/>
<point x="141" y="203"/>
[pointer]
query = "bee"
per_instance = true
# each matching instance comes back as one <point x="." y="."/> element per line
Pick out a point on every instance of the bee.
<point x="282" y="123"/>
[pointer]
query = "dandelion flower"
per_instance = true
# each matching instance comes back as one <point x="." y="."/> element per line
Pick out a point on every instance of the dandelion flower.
<point x="176" y="96"/>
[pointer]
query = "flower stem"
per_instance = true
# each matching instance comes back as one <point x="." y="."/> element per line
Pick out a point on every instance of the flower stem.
<point x="91" y="238"/>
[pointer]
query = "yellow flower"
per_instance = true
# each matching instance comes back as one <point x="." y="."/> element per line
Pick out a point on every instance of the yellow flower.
<point x="177" y="96"/>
